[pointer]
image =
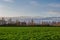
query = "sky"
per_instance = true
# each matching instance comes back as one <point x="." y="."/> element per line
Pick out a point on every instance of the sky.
<point x="42" y="8"/>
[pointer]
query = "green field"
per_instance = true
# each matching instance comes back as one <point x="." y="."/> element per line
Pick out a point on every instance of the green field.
<point x="29" y="33"/>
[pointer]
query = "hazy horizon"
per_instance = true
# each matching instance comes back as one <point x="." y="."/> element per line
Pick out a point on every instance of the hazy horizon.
<point x="30" y="8"/>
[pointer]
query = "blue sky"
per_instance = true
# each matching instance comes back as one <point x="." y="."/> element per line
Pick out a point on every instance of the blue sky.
<point x="42" y="8"/>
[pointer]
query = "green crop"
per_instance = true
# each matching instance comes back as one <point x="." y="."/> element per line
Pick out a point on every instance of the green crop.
<point x="29" y="33"/>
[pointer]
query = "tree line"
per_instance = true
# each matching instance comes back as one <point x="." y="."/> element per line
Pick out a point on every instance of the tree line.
<point x="31" y="23"/>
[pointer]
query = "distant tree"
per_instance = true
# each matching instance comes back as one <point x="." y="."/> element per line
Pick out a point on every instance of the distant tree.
<point x="9" y="21"/>
<point x="17" y="22"/>
<point x="3" y="22"/>
<point x="32" y="22"/>
<point x="3" y="19"/>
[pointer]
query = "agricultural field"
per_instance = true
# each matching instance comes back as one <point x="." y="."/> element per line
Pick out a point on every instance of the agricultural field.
<point x="29" y="33"/>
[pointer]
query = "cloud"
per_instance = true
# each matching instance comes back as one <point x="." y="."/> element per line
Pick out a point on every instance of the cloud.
<point x="53" y="12"/>
<point x="5" y="10"/>
<point x="2" y="9"/>
<point x="1" y="6"/>
<point x="8" y="0"/>
<point x="34" y="3"/>
<point x="54" y="5"/>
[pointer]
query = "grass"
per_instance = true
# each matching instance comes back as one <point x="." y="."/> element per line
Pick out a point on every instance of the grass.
<point x="29" y="33"/>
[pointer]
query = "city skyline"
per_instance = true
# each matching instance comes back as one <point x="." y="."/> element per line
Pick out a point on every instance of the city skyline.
<point x="42" y="8"/>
